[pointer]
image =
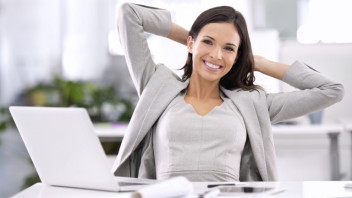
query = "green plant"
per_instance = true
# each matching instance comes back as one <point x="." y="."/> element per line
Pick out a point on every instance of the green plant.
<point x="96" y="99"/>
<point x="5" y="120"/>
<point x="30" y="179"/>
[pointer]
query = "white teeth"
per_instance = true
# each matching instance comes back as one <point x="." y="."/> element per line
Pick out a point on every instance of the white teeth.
<point x="212" y="65"/>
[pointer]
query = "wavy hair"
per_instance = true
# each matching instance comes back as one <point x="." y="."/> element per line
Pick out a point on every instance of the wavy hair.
<point x="241" y="74"/>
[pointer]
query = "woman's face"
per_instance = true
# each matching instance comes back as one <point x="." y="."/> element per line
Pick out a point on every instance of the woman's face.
<point x="214" y="51"/>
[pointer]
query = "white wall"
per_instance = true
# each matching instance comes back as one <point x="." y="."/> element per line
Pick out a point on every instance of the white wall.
<point x="30" y="44"/>
<point x="85" y="39"/>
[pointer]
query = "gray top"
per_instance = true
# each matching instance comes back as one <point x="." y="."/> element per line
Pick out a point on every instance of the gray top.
<point x="201" y="148"/>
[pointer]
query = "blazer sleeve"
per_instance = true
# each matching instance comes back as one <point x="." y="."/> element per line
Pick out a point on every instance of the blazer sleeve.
<point x="133" y="21"/>
<point x="316" y="92"/>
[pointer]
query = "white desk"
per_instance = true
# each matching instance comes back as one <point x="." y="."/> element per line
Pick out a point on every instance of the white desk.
<point x="316" y="189"/>
<point x="110" y="132"/>
<point x="116" y="132"/>
<point x="40" y="190"/>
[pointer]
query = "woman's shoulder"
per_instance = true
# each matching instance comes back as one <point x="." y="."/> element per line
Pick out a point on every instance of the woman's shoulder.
<point x="254" y="96"/>
<point x="164" y="72"/>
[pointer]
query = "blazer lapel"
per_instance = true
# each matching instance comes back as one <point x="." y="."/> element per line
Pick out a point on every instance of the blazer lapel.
<point x="243" y="102"/>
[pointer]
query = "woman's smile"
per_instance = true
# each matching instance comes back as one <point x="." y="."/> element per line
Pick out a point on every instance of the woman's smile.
<point x="212" y="67"/>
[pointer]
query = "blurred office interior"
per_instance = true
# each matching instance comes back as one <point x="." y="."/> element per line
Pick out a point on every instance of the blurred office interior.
<point x="47" y="45"/>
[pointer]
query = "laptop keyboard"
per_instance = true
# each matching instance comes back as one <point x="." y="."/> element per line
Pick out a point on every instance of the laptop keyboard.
<point x="130" y="184"/>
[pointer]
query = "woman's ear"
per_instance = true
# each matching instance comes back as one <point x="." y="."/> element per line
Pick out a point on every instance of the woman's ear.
<point x="190" y="43"/>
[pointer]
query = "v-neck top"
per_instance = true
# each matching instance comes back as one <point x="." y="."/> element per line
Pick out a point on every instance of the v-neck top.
<point x="201" y="148"/>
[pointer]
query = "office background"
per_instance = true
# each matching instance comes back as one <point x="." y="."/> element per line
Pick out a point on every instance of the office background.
<point x="77" y="41"/>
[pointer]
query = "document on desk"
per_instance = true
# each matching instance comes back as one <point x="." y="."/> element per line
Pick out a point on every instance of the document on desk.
<point x="248" y="191"/>
<point x="174" y="187"/>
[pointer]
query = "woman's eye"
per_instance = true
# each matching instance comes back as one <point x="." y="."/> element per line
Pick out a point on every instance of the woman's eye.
<point x="207" y="42"/>
<point x="229" y="49"/>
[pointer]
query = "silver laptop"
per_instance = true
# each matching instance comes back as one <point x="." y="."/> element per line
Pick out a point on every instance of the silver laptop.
<point x="65" y="149"/>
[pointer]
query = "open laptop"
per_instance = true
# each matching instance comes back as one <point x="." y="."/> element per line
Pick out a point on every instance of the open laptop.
<point x="65" y="149"/>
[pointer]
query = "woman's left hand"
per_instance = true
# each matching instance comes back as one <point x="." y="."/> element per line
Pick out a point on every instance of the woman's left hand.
<point x="271" y="68"/>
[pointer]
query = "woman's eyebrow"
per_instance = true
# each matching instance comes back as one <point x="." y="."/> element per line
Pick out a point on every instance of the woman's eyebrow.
<point x="232" y="44"/>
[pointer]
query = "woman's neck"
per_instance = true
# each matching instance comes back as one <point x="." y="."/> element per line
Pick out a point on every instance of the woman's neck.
<point x="203" y="90"/>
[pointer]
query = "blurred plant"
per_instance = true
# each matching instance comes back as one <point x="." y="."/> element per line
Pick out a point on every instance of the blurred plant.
<point x="5" y="120"/>
<point x="31" y="179"/>
<point x="102" y="103"/>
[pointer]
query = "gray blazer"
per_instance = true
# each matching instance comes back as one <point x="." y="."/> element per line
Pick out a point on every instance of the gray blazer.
<point x="157" y="86"/>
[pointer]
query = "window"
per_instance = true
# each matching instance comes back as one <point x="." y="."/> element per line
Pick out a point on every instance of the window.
<point x="325" y="21"/>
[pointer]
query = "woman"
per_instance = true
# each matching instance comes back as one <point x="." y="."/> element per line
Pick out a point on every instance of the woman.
<point x="214" y="124"/>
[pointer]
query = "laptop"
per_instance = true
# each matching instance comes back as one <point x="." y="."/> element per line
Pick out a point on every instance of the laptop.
<point x="66" y="151"/>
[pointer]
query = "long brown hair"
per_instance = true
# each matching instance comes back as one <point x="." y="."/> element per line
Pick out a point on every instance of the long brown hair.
<point x="241" y="74"/>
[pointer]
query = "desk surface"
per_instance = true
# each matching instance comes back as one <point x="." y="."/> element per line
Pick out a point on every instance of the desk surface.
<point x="313" y="189"/>
<point x="110" y="132"/>
<point x="348" y="127"/>
<point x="308" y="129"/>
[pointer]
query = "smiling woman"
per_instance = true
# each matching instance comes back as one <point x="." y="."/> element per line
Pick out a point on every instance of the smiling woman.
<point x="214" y="124"/>
<point x="213" y="56"/>
<point x="214" y="51"/>
<point x="234" y="39"/>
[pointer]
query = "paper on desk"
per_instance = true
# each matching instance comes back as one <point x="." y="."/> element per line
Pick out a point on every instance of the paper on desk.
<point x="174" y="187"/>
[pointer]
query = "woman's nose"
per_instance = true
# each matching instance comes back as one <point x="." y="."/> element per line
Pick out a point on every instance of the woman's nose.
<point x="216" y="53"/>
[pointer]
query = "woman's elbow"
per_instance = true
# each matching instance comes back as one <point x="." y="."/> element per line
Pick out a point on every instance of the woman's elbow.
<point x="125" y="10"/>
<point x="339" y="92"/>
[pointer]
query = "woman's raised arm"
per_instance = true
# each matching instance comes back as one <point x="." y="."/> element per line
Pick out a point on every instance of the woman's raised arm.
<point x="133" y="21"/>
<point x="271" y="68"/>
<point x="315" y="91"/>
